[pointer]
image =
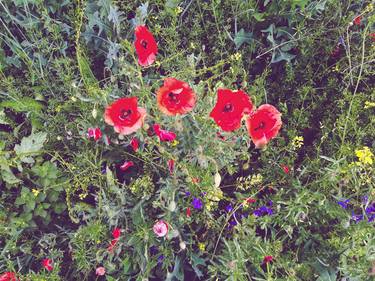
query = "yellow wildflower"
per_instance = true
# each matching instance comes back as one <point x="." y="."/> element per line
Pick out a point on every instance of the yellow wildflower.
<point x="297" y="142"/>
<point x="365" y="156"/>
<point x="35" y="192"/>
<point x="369" y="104"/>
<point x="201" y="246"/>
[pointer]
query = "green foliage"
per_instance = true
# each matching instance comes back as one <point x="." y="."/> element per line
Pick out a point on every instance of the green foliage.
<point x="62" y="193"/>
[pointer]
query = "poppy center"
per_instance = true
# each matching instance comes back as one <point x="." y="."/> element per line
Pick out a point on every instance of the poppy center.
<point x="173" y="97"/>
<point x="260" y="126"/>
<point x="125" y="114"/>
<point x="228" y="107"/>
<point x="144" y="43"/>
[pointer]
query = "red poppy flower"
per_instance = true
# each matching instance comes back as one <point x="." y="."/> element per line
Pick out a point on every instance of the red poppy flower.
<point x="175" y="97"/>
<point x="267" y="259"/>
<point x="357" y="20"/>
<point x="126" y="165"/>
<point x="135" y="144"/>
<point x="125" y="115"/>
<point x="264" y="124"/>
<point x="372" y="36"/>
<point x="145" y="46"/>
<point x="171" y="166"/>
<point x="8" y="276"/>
<point x="285" y="169"/>
<point x="188" y="212"/>
<point x="116" y="233"/>
<point x="95" y="133"/>
<point x="163" y="134"/>
<point x="230" y="108"/>
<point x="47" y="264"/>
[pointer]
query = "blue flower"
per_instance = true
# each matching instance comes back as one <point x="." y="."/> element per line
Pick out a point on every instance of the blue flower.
<point x="343" y="204"/>
<point x="187" y="193"/>
<point x="197" y="203"/>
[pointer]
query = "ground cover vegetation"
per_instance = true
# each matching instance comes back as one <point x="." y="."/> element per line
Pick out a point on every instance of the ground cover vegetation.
<point x="187" y="140"/>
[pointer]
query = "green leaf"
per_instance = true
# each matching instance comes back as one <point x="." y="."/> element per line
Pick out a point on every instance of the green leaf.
<point x="242" y="37"/>
<point x="258" y="16"/>
<point x="30" y="146"/>
<point x="89" y="80"/>
<point x="25" y="104"/>
<point x="6" y="173"/>
<point x="3" y="118"/>
<point x="59" y="208"/>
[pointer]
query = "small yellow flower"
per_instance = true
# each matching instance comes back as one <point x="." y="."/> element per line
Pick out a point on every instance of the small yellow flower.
<point x="369" y="104"/>
<point x="178" y="10"/>
<point x="73" y="99"/>
<point x="174" y="142"/>
<point x="35" y="192"/>
<point x="365" y="156"/>
<point x="82" y="196"/>
<point x="297" y="142"/>
<point x="192" y="45"/>
<point x="201" y="246"/>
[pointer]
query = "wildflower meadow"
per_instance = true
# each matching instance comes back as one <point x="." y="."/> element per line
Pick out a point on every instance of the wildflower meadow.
<point x="187" y="140"/>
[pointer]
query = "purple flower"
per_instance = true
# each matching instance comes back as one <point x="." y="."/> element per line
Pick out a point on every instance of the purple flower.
<point x="343" y="204"/>
<point x="197" y="203"/>
<point x="370" y="212"/>
<point x="370" y="209"/>
<point x="153" y="250"/>
<point x="364" y="199"/>
<point x="357" y="218"/>
<point x="262" y="211"/>
<point x="187" y="193"/>
<point x="160" y="259"/>
<point x="229" y="208"/>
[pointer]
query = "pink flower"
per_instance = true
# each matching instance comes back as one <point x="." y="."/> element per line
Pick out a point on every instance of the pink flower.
<point x="116" y="233"/>
<point x="135" y="144"/>
<point x="160" y="228"/>
<point x="285" y="169"/>
<point x="47" y="264"/>
<point x="267" y="259"/>
<point x="163" y="134"/>
<point x="188" y="212"/>
<point x="126" y="165"/>
<point x="100" y="271"/>
<point x="171" y="166"/>
<point x="95" y="133"/>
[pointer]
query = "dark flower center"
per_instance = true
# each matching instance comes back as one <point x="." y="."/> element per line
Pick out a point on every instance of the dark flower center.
<point x="261" y="126"/>
<point x="125" y="114"/>
<point x="144" y="43"/>
<point x="228" y="107"/>
<point x="173" y="97"/>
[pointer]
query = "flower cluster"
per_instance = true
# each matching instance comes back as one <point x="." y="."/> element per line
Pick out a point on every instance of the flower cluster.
<point x="176" y="97"/>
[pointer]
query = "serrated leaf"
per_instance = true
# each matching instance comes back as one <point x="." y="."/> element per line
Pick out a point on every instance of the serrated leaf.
<point x="30" y="146"/>
<point x="141" y="15"/>
<point x="115" y="17"/>
<point x="242" y="37"/>
<point x="25" y="104"/>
